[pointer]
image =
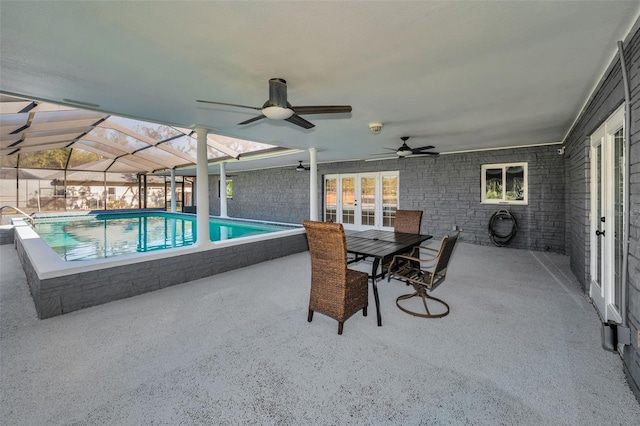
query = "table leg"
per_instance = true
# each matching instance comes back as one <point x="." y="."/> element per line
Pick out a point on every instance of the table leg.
<point x="376" y="262"/>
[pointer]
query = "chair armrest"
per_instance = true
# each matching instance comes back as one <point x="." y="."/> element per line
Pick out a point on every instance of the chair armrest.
<point x="405" y="257"/>
<point x="417" y="248"/>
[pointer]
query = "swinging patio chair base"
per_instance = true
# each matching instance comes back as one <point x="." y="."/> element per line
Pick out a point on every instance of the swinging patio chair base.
<point x="423" y="294"/>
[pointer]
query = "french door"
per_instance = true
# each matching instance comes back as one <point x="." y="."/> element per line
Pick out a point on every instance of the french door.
<point x="607" y="221"/>
<point x="361" y="201"/>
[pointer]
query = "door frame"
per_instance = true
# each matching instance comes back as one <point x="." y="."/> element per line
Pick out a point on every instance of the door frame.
<point x="602" y="288"/>
<point x="378" y="195"/>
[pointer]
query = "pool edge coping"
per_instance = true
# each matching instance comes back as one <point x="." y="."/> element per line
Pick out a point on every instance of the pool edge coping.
<point x="49" y="264"/>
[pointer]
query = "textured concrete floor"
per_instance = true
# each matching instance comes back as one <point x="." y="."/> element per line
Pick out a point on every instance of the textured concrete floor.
<point x="521" y="346"/>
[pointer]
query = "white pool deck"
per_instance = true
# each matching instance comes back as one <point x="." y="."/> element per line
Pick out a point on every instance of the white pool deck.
<point x="521" y="346"/>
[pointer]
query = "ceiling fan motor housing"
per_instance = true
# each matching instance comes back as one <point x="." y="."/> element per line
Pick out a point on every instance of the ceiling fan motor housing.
<point x="277" y="107"/>
<point x="277" y="93"/>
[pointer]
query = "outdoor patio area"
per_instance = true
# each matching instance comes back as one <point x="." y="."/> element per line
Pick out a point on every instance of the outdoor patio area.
<point x="520" y="346"/>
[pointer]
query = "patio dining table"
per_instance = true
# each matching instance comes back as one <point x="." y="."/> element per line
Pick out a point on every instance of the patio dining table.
<point x="379" y="245"/>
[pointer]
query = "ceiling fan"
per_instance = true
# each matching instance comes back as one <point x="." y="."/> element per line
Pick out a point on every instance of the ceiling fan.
<point x="301" y="168"/>
<point x="278" y="108"/>
<point x="405" y="150"/>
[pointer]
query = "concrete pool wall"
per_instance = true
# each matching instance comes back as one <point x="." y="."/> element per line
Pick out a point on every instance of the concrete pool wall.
<point x="59" y="287"/>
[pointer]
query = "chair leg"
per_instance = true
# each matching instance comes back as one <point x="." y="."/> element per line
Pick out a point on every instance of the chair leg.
<point x="364" y="311"/>
<point x="310" y="316"/>
<point x="424" y="302"/>
<point x="442" y="302"/>
<point x="340" y="326"/>
<point x="423" y="294"/>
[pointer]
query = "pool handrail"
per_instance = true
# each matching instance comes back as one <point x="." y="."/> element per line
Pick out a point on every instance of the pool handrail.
<point x="19" y="211"/>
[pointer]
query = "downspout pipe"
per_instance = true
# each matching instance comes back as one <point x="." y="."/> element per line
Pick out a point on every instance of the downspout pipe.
<point x="624" y="334"/>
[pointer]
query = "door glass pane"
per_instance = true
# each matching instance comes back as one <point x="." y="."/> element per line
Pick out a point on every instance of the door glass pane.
<point x="598" y="213"/>
<point x="348" y="200"/>
<point x="618" y="177"/>
<point x="368" y="201"/>
<point x="330" y="199"/>
<point x="493" y="178"/>
<point x="515" y="183"/>
<point x="389" y="199"/>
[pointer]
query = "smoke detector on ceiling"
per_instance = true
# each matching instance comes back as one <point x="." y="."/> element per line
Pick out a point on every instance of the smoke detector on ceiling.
<point x="375" y="127"/>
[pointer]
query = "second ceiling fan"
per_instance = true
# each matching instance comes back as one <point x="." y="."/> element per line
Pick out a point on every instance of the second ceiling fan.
<point x="405" y="150"/>
<point x="278" y="108"/>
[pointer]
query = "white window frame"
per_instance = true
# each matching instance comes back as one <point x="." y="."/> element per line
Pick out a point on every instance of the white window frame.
<point x="229" y="182"/>
<point x="503" y="200"/>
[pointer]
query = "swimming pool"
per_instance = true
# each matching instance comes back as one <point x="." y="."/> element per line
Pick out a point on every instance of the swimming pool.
<point x="58" y="286"/>
<point x="97" y="236"/>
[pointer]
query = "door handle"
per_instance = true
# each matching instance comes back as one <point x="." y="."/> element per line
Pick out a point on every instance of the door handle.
<point x="599" y="233"/>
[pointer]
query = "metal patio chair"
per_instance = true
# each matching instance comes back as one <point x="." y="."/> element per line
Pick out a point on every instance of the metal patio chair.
<point x="424" y="274"/>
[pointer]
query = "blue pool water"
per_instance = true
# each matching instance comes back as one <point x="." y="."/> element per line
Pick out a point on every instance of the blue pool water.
<point x="98" y="236"/>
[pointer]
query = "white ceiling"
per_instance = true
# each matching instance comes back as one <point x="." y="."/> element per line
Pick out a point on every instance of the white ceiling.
<point x="456" y="75"/>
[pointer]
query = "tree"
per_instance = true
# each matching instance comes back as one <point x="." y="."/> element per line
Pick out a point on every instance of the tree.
<point x="47" y="159"/>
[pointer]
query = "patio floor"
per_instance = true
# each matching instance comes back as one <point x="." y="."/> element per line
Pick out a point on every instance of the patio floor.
<point x="520" y="346"/>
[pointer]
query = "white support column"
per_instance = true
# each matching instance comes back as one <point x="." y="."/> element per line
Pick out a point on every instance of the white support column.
<point x="313" y="184"/>
<point x="202" y="200"/>
<point x="173" y="190"/>
<point x="223" y="190"/>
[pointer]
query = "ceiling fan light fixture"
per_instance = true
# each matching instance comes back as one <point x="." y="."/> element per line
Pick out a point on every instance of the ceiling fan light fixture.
<point x="277" y="113"/>
<point x="404" y="152"/>
<point x="300" y="167"/>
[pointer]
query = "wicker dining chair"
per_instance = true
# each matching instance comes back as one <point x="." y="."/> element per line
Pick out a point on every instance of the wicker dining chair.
<point x="425" y="274"/>
<point x="408" y="222"/>
<point x="336" y="290"/>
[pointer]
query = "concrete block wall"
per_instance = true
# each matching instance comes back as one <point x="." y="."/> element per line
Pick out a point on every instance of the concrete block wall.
<point x="632" y="352"/>
<point x="578" y="173"/>
<point x="609" y="95"/>
<point x="446" y="188"/>
<point x="60" y="295"/>
<point x="278" y="194"/>
<point x="6" y="228"/>
<point x="6" y="234"/>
